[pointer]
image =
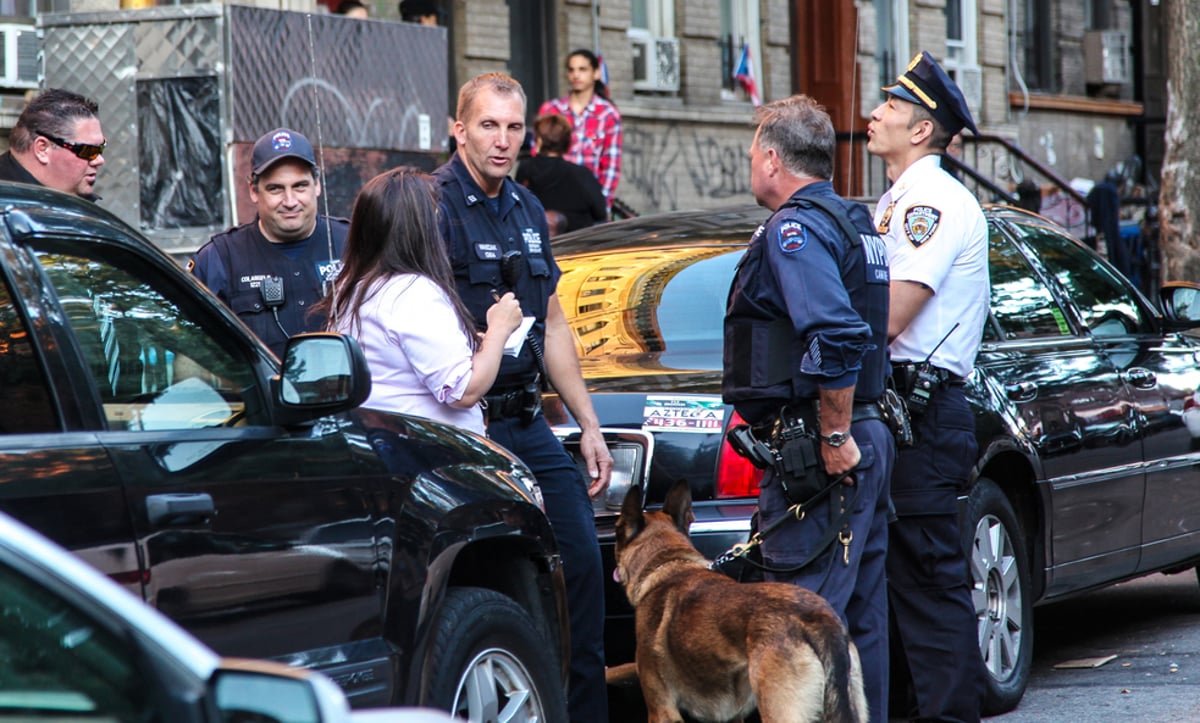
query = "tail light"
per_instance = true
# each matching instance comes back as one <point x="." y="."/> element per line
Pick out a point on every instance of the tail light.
<point x="736" y="477"/>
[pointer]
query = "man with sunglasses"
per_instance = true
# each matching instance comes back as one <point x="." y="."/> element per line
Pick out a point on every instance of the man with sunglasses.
<point x="58" y="143"/>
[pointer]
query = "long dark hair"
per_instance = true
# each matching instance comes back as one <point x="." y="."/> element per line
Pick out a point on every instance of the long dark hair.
<point x="394" y="230"/>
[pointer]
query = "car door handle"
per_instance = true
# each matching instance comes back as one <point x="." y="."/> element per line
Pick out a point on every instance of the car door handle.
<point x="179" y="508"/>
<point x="1141" y="378"/>
<point x="1021" y="391"/>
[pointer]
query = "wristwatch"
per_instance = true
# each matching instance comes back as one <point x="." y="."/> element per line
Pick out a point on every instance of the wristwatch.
<point x="835" y="439"/>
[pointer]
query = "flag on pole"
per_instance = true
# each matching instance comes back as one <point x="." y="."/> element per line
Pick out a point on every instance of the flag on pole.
<point x="745" y="75"/>
<point x="603" y="69"/>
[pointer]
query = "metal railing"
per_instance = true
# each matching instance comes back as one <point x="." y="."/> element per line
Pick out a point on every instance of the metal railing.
<point x="989" y="157"/>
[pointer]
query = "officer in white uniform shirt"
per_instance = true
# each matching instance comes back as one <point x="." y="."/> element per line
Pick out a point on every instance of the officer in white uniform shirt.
<point x="938" y="252"/>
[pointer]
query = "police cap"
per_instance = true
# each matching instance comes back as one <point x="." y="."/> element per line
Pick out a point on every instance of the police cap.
<point x="277" y="145"/>
<point x="927" y="85"/>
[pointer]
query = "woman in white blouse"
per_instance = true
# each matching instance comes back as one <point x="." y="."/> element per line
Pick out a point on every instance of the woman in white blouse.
<point x="395" y="294"/>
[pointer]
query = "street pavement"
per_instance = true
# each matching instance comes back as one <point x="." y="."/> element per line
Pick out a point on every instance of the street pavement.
<point x="1152" y="627"/>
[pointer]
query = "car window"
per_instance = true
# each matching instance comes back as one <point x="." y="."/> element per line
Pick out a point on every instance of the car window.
<point x="1022" y="305"/>
<point x="22" y="385"/>
<point x="691" y="309"/>
<point x="154" y="364"/>
<point x="56" y="663"/>
<point x="1106" y="304"/>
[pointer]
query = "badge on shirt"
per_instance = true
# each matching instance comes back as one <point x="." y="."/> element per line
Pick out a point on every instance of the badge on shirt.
<point x="329" y="270"/>
<point x="792" y="237"/>
<point x="533" y="241"/>
<point x="920" y="222"/>
<point x="885" y="223"/>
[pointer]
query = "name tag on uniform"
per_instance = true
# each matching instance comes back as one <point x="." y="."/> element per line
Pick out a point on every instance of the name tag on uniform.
<point x="487" y="251"/>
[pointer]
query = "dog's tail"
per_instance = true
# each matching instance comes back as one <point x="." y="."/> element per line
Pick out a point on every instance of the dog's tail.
<point x="845" y="701"/>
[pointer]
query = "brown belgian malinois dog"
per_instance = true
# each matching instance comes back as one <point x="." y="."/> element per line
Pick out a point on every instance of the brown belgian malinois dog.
<point x="717" y="648"/>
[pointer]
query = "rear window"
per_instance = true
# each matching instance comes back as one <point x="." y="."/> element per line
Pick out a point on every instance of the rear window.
<point x="669" y="302"/>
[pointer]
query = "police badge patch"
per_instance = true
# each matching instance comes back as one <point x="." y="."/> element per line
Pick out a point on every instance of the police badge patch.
<point x="920" y="222"/>
<point x="792" y="237"/>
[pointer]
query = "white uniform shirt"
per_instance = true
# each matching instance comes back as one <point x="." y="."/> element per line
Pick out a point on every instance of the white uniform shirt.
<point x="419" y="356"/>
<point x="936" y="235"/>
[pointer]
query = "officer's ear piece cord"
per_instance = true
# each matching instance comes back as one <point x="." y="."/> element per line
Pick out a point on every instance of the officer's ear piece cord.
<point x="271" y="290"/>
<point x="511" y="268"/>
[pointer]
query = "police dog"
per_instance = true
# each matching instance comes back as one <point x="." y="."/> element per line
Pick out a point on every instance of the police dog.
<point x="717" y="648"/>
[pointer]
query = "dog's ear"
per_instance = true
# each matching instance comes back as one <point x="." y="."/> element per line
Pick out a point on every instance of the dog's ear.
<point x="678" y="505"/>
<point x="632" y="519"/>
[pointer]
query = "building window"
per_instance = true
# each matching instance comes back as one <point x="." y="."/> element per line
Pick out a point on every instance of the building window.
<point x="657" y="17"/>
<point x="740" y="35"/>
<point x="654" y="47"/>
<point x="892" y="24"/>
<point x="1037" y="41"/>
<point x="962" y="52"/>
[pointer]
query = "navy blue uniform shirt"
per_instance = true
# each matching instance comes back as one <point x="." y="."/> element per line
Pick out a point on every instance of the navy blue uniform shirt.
<point x="808" y="309"/>
<point x="478" y="237"/>
<point x="234" y="263"/>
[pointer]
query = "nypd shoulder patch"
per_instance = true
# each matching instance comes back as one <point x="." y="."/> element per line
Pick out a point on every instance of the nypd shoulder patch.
<point x="920" y="223"/>
<point x="793" y="237"/>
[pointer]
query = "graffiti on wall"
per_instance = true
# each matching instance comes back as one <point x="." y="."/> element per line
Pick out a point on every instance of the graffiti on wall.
<point x="665" y="168"/>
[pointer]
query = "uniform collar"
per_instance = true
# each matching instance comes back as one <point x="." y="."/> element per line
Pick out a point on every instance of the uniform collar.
<point x="817" y="188"/>
<point x="913" y="175"/>
<point x="473" y="194"/>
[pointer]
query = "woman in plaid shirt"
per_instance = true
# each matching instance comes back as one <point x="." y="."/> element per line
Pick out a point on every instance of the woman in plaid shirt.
<point x="596" y="135"/>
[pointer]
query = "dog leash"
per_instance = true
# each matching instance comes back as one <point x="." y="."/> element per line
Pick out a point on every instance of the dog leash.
<point x="796" y="512"/>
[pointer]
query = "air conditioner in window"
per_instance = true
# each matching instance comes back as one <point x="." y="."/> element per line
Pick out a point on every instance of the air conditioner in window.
<point x="19" y="45"/>
<point x="1106" y="57"/>
<point x="655" y="61"/>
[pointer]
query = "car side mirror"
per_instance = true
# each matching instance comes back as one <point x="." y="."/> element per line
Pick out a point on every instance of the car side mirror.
<point x="253" y="691"/>
<point x="323" y="373"/>
<point x="1181" y="304"/>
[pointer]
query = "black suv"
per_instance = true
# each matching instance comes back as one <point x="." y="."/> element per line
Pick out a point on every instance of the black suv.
<point x="145" y="429"/>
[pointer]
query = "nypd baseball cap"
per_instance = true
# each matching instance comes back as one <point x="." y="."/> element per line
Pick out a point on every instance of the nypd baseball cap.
<point x="927" y="85"/>
<point x="279" y="144"/>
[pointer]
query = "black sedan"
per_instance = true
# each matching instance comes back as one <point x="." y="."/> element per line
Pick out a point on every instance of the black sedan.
<point x="145" y="429"/>
<point x="1085" y="395"/>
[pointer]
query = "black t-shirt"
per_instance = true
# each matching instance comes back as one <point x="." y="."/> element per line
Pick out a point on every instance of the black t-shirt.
<point x="565" y="187"/>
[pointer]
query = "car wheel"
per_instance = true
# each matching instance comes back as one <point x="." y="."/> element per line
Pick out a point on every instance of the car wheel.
<point x="490" y="663"/>
<point x="1001" y="592"/>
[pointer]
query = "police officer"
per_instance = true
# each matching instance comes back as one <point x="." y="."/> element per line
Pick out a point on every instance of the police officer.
<point x="805" y="337"/>
<point x="498" y="240"/>
<point x="938" y="252"/>
<point x="272" y="270"/>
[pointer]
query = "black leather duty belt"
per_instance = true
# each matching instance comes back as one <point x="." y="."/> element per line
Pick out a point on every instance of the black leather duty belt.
<point x="806" y="411"/>
<point x="513" y="403"/>
<point x="905" y="372"/>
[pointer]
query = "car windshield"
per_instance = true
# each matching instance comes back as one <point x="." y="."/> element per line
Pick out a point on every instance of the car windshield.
<point x="57" y="665"/>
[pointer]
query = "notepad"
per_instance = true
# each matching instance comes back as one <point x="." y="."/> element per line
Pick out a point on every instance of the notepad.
<point x="512" y="347"/>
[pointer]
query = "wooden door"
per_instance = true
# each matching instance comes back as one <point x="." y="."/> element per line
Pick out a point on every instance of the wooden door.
<point x="825" y="68"/>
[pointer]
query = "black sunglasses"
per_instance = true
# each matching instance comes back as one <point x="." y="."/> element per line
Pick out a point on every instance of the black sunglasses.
<point x="86" y="151"/>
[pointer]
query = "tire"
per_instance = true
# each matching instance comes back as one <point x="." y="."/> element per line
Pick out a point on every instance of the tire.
<point x="490" y="663"/>
<point x="1001" y="592"/>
